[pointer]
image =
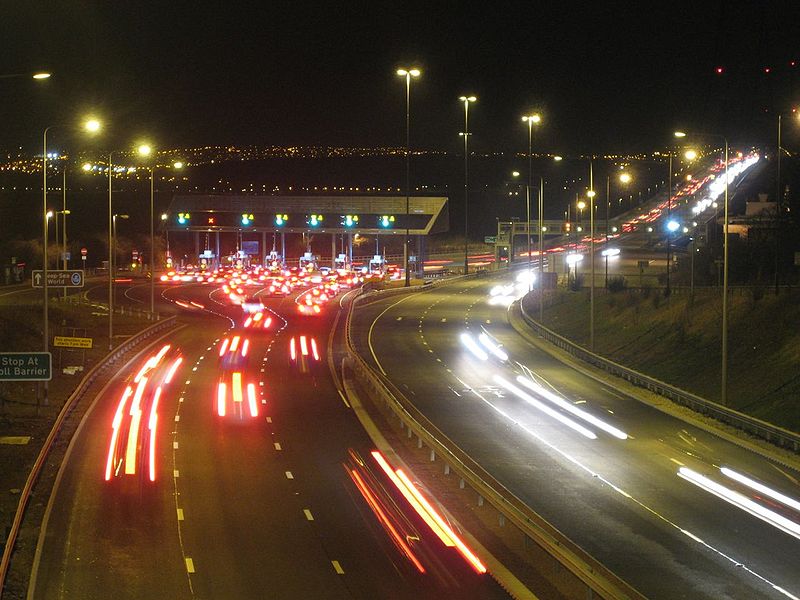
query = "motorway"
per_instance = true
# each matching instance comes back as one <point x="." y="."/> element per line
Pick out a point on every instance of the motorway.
<point x="270" y="506"/>
<point x="620" y="497"/>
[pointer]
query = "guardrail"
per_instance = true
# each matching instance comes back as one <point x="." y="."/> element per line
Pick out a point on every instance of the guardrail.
<point x="73" y="399"/>
<point x="586" y="569"/>
<point x="766" y="431"/>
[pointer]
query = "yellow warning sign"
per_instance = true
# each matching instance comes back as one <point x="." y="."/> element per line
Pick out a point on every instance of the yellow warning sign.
<point x="61" y="341"/>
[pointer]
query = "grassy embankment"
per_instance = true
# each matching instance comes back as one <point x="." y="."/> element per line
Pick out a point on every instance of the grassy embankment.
<point x="678" y="342"/>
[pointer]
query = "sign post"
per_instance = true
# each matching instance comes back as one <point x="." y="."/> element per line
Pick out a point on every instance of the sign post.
<point x="58" y="278"/>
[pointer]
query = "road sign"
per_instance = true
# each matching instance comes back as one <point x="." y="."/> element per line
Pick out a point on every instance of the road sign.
<point x="490" y="239"/>
<point x="62" y="341"/>
<point x="84" y="252"/>
<point x="58" y="278"/>
<point x="26" y="366"/>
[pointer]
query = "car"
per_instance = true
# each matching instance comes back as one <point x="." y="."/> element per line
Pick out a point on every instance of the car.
<point x="258" y="320"/>
<point x="303" y="353"/>
<point x="251" y="304"/>
<point x="132" y="453"/>
<point x="235" y="396"/>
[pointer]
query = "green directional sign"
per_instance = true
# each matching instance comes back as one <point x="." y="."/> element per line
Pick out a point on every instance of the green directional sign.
<point x="26" y="366"/>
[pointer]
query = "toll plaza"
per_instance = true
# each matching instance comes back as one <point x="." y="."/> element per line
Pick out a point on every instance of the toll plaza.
<point x="254" y="229"/>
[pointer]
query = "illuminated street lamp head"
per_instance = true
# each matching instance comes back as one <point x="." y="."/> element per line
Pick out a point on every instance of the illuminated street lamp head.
<point x="163" y="216"/>
<point x="49" y="214"/>
<point x="515" y="173"/>
<point x="690" y="154"/>
<point x="144" y="150"/>
<point x="673" y="226"/>
<point x="87" y="166"/>
<point x="581" y="204"/>
<point x="558" y="158"/>
<point x="177" y="164"/>
<point x="467" y="98"/>
<point x="680" y="134"/>
<point x="531" y="119"/>
<point x="590" y="193"/>
<point x="411" y="72"/>
<point x="41" y="75"/>
<point x="92" y="125"/>
<point x="625" y="177"/>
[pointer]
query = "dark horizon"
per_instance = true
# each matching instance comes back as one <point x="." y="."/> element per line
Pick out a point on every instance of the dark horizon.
<point x="603" y="81"/>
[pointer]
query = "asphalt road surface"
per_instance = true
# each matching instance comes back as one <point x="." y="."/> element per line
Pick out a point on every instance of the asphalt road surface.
<point x="622" y="500"/>
<point x="241" y="507"/>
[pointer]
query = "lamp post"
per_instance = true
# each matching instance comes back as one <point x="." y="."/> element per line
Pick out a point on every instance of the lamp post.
<point x="541" y="249"/>
<point x="623" y="178"/>
<point x="669" y="217"/>
<point x="591" y="194"/>
<point x="408" y="74"/>
<point x="579" y="206"/>
<point x="91" y="126"/>
<point x="466" y="100"/>
<point x="724" y="377"/>
<point x="530" y="120"/>
<point x="112" y="265"/>
<point x="778" y="209"/>
<point x="145" y="150"/>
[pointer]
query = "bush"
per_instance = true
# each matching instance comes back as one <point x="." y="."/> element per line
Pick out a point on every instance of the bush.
<point x="656" y="300"/>
<point x="756" y="294"/>
<point x="616" y="284"/>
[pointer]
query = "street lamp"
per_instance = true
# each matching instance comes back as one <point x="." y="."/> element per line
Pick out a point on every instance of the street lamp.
<point x="778" y="211"/>
<point x="145" y="150"/>
<point x="112" y="265"/>
<point x="530" y="120"/>
<point x="591" y="194"/>
<point x="724" y="377"/>
<point x="90" y="126"/>
<point x="38" y="76"/>
<point x="408" y="74"/>
<point x="624" y="178"/>
<point x="466" y="100"/>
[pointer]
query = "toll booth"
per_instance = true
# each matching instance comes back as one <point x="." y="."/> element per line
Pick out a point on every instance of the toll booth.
<point x="308" y="261"/>
<point x="342" y="262"/>
<point x="274" y="261"/>
<point x="377" y="264"/>
<point x="207" y="260"/>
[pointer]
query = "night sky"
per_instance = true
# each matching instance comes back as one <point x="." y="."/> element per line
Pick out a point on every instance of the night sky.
<point x="606" y="77"/>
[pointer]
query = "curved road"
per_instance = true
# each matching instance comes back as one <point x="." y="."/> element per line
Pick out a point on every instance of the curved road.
<point x="241" y="508"/>
<point x="620" y="499"/>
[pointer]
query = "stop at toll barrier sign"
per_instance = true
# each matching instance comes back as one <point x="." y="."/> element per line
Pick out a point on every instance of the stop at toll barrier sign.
<point x="26" y="366"/>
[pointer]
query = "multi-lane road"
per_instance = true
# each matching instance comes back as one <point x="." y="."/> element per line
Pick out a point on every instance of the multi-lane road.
<point x="285" y="504"/>
<point x="633" y="486"/>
